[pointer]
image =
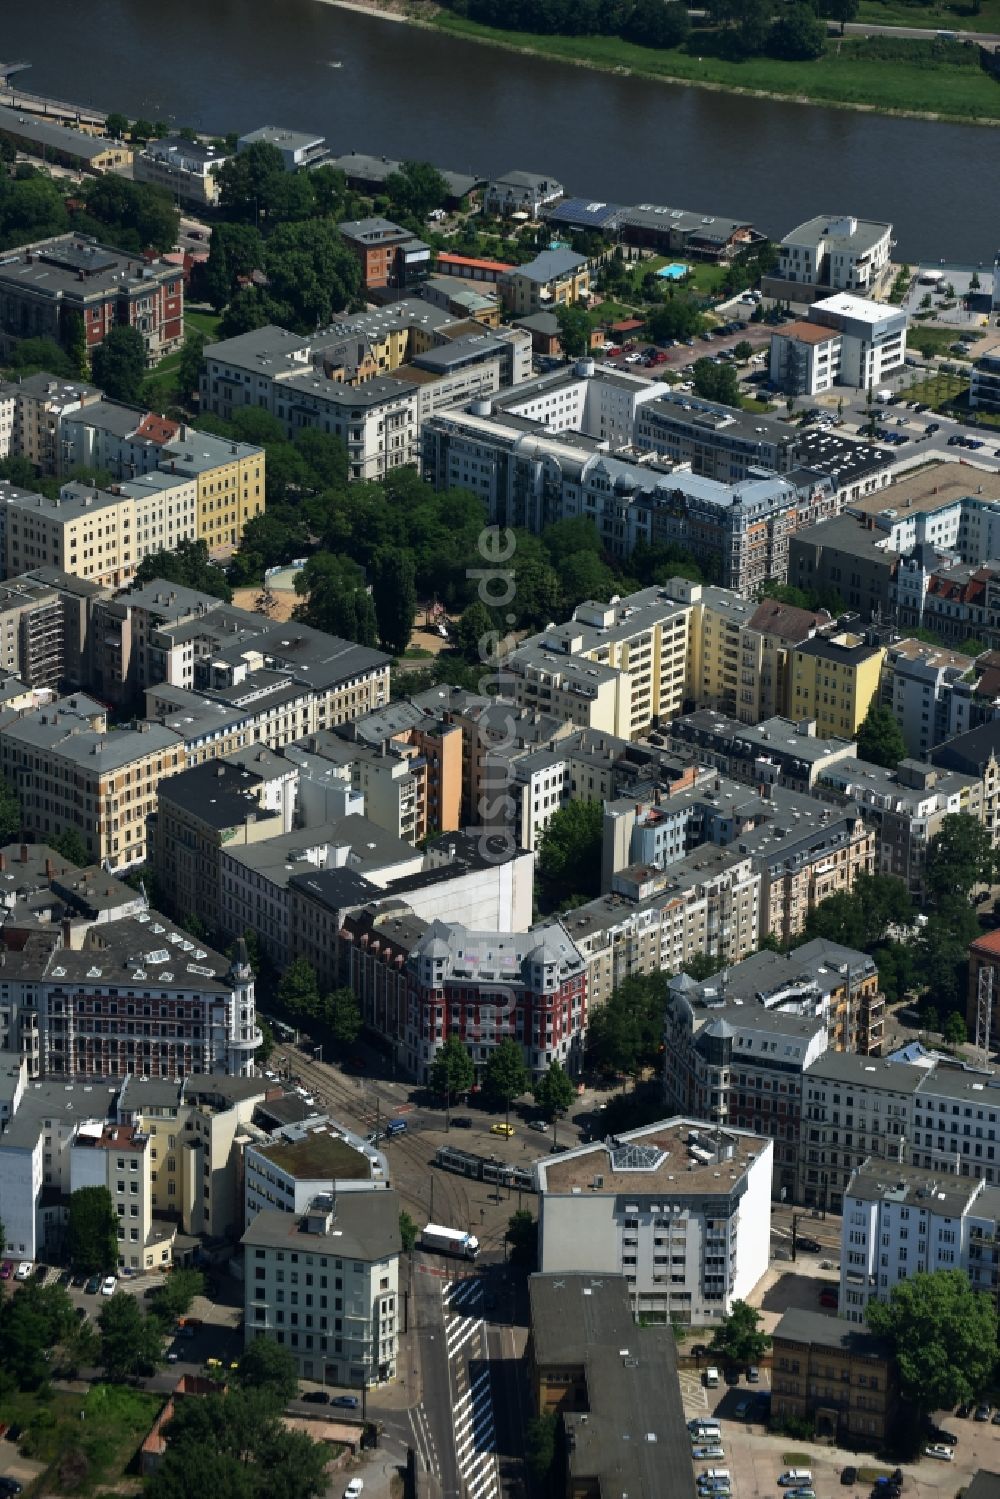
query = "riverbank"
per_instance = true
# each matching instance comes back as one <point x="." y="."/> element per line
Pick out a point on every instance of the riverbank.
<point x="843" y="77"/>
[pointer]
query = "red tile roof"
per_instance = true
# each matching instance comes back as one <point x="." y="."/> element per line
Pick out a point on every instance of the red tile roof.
<point x="157" y="429"/>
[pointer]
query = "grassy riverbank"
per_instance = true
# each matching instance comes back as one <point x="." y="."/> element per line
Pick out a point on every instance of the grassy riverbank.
<point x="953" y="87"/>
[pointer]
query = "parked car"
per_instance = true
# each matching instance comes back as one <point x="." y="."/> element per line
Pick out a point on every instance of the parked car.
<point x="940" y="1451"/>
<point x="502" y="1129"/>
<point x="347" y="1402"/>
<point x="23" y="1271"/>
<point x="109" y="1285"/>
<point x="983" y="1413"/>
<point x="965" y="1409"/>
<point x="938" y="1434"/>
<point x="9" y="1487"/>
<point x="461" y="1121"/>
<point x="753" y="1375"/>
<point x="996" y="1417"/>
<point x="540" y="1125"/>
<point x="316" y="1397"/>
<point x="699" y="1350"/>
<point x="6" y="1270"/>
<point x="743" y="1409"/>
<point x="66" y="1277"/>
<point x="354" y="1488"/>
<point x="706" y="1454"/>
<point x="808" y="1246"/>
<point x="849" y="1476"/>
<point x="93" y="1286"/>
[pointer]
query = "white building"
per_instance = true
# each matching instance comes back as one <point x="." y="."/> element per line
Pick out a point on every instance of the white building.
<point x="302" y="1161"/>
<point x="901" y="1221"/>
<point x="873" y="337"/>
<point x="684" y="1213"/>
<point x="297" y="148"/>
<point x="805" y="358"/>
<point x="325" y="1284"/>
<point x="185" y="168"/>
<point x="118" y="1157"/>
<point x="841" y="252"/>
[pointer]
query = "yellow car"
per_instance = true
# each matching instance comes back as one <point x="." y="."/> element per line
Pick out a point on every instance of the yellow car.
<point x="502" y="1129"/>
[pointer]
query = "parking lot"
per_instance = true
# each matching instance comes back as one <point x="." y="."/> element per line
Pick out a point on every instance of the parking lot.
<point x="756" y="1458"/>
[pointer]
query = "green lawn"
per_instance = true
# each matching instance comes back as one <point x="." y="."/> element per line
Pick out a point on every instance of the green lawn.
<point x="847" y="73"/>
<point x="84" y="1452"/>
<point x="937" y="340"/>
<point x="202" y="322"/>
<point x="937" y="16"/>
<point x="938" y="391"/>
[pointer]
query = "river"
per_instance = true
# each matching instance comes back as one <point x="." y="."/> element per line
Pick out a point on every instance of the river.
<point x="403" y="91"/>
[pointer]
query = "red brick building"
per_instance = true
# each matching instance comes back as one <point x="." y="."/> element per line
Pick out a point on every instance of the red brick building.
<point x="43" y="285"/>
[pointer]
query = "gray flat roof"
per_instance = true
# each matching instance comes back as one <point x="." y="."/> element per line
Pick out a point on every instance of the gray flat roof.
<point x="56" y="137"/>
<point x="366" y="1228"/>
<point x="815" y="1330"/>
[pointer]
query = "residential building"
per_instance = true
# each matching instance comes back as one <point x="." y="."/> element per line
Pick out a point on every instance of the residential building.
<point x="300" y="1161"/>
<point x="370" y="173"/>
<point x="32" y="638"/>
<point x="298" y="148"/>
<point x="230" y="482"/>
<point x="555" y="278"/>
<point x="765" y="645"/>
<point x="345" y="1331"/>
<point x="682" y="231"/>
<point x="187" y="169"/>
<point x="453" y="294"/>
<point x="246" y="799"/>
<point x="78" y="599"/>
<point x="835" y="678"/>
<point x="900" y="1221"/>
<point x="118" y="1158"/>
<point x="839" y="557"/>
<point x="906" y="806"/>
<point x="778" y="751"/>
<point x="925" y="688"/>
<point x="520" y="193"/>
<point x="44" y="286"/>
<point x="32" y="412"/>
<point x="843" y="253"/>
<point x="683" y="1214"/>
<point x="717" y="441"/>
<point x="123" y="441"/>
<point x="852" y="1107"/>
<point x="984" y="957"/>
<point x="387" y="254"/>
<point x="827" y="1372"/>
<point x="836" y="473"/>
<point x="805" y="358"/>
<point x="613" y="1386"/>
<point x="70" y="771"/>
<point x="83" y="530"/>
<point x="984" y="390"/>
<point x="62" y="145"/>
<point x="872" y="337"/>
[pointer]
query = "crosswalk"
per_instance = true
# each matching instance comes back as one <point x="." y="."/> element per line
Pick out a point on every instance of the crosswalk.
<point x="473" y="1421"/>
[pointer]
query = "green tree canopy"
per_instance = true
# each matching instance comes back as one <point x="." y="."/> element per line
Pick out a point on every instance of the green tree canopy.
<point x="31" y="1324"/>
<point x="954" y="1029"/>
<point x="119" y="364"/>
<point x="574" y="330"/>
<point x="945" y="1337"/>
<point x="797" y="34"/>
<point x="522" y="1236"/>
<point x="959" y="857"/>
<point x="92" y="1232"/>
<point x="188" y="563"/>
<point x="343" y="1016"/>
<point x="678" y="317"/>
<point x="269" y="1367"/>
<point x="569" y="852"/>
<point x="416" y="189"/>
<point x="298" y="991"/>
<point x="506" y="1076"/>
<point x="190" y="367"/>
<point x="130" y="1341"/>
<point x="249" y="181"/>
<point x="395" y="597"/>
<point x="624" y="1035"/>
<point x="452" y="1071"/>
<point x="863" y="916"/>
<point x="716" y="382"/>
<point x="10" y="812"/>
<point x="134" y="216"/>
<point x="407" y="1233"/>
<point x="880" y="739"/>
<point x="554" y="1093"/>
<point x="336" y="598"/>
<point x="174" y="1297"/>
<point x="738" y="1337"/>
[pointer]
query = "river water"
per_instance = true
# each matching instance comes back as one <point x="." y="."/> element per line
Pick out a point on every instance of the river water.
<point x="401" y="91"/>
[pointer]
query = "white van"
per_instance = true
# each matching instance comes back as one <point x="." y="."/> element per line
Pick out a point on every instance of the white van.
<point x="796" y="1478"/>
<point x="717" y="1475"/>
<point x="712" y="1377"/>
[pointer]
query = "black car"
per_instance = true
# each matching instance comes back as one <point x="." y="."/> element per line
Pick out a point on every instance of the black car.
<point x="808" y="1246"/>
<point x="9" y="1486"/>
<point x="316" y="1397"/>
<point x="965" y="1409"/>
<point x="848" y="1477"/>
<point x="700" y="1350"/>
<point x="983" y="1413"/>
<point x="461" y="1121"/>
<point x="78" y="1282"/>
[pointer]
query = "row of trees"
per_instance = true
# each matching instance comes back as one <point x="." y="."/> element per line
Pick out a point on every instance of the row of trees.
<point x="506" y="1078"/>
<point x="648" y="23"/>
<point x="337" y="1013"/>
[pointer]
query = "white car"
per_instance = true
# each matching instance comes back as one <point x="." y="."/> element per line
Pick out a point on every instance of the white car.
<point x="354" y="1488"/>
<point x="109" y="1285"/>
<point x="939" y="1450"/>
<point x="539" y="1125"/>
<point x="23" y="1270"/>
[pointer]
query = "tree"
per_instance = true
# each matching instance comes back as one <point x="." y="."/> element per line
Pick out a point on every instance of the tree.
<point x="554" y="1093"/>
<point x="954" y="1029"/>
<point x="336" y="598"/>
<point x="119" y="363"/>
<point x="191" y="361"/>
<point x="569" y="851"/>
<point x="474" y="633"/>
<point x="174" y="1297"/>
<point x="797" y="34"/>
<point x="880" y="739"/>
<point x="70" y="844"/>
<point x="116" y="125"/>
<point x="506" y="1076"/>
<point x="269" y="1367"/>
<point x="10" y="815"/>
<point x="701" y="966"/>
<point x="540" y="1449"/>
<point x="235" y="251"/>
<point x="716" y="382"/>
<point x="188" y="563"/>
<point x="248" y="180"/>
<point x="840" y="10"/>
<point x="92" y="1233"/>
<point x="132" y="215"/>
<point x="654" y="24"/>
<point x="416" y="188"/>
<point x="522" y="1236"/>
<point x="863" y="916"/>
<point x="574" y="330"/>
<point x="959" y="857"/>
<point x="395" y="597"/>
<point x="262" y="1055"/>
<point x="130" y="1341"/>
<point x="678" y="317"/>
<point x="311" y="274"/>
<point x="407" y="1233"/>
<point x="33" y="356"/>
<point x="31" y="1323"/>
<point x="624" y="1034"/>
<point x="944" y="1335"/>
<point x="75" y="342"/>
<point x="738" y="1337"/>
<point x="974" y="281"/>
<point x="452" y="1072"/>
<point x="344" y="1016"/>
<point x="298" y="992"/>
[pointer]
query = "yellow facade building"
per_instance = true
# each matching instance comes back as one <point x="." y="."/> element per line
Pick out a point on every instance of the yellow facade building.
<point x="230" y="478"/>
<point x="834" y="681"/>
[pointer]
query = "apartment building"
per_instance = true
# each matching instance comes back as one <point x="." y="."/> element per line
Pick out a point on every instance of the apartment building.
<point x="299" y="1161"/>
<point x="338" y="1266"/>
<point x="682" y="1214"/>
<point x="805" y="358"/>
<point x="45" y="286"/>
<point x="844" y="1381"/>
<point x="766" y="641"/>
<point x="924" y="688"/>
<point x="839" y="252"/>
<point x="717" y="441"/>
<point x="900" y="1221"/>
<point x="229" y="478"/>
<point x="777" y="751"/>
<point x="187" y="169"/>
<point x="834" y="679"/>
<point x="905" y="806"/>
<point x="83" y="530"/>
<point x="520" y="192"/>
<point x="298" y="148"/>
<point x="612" y="1385"/>
<point x="387" y="254"/>
<point x="555" y="278"/>
<point x="70" y="771"/>
<point x="32" y="412"/>
<point x="80" y="150"/>
<point x="32" y="633"/>
<point x="852" y="1107"/>
<point x="872" y="337"/>
<point x="117" y="1157"/>
<point x="984" y="391"/>
<point x="111" y="437"/>
<point x="207" y="808"/>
